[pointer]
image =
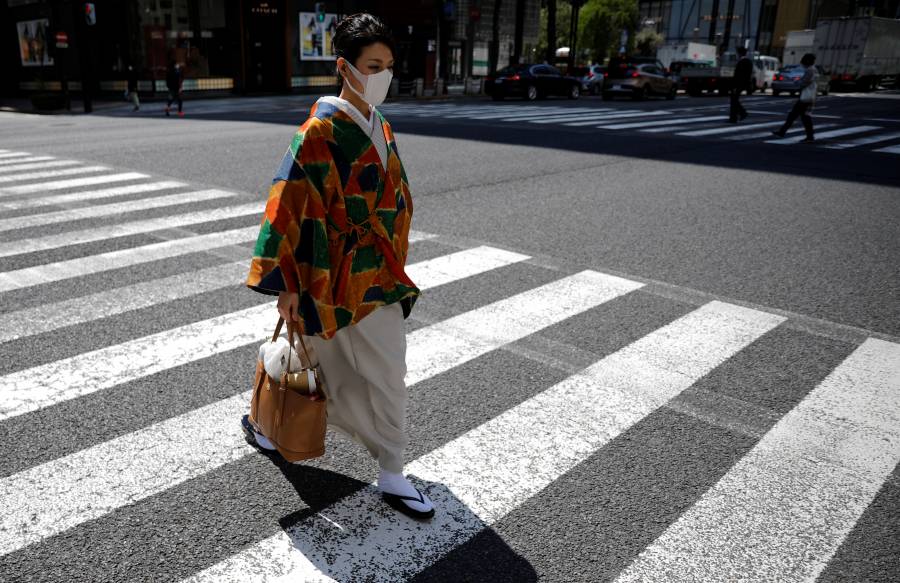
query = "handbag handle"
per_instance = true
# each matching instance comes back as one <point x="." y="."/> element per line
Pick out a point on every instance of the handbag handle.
<point x="291" y="329"/>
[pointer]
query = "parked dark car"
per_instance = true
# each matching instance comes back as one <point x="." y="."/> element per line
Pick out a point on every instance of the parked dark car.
<point x="531" y="82"/>
<point x="638" y="81"/>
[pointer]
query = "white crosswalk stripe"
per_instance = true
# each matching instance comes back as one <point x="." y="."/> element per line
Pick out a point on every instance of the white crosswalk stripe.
<point x="832" y="451"/>
<point x="679" y="122"/>
<point x="125" y="229"/>
<point x="890" y="150"/>
<point x="488" y="472"/>
<point x="117" y="208"/>
<point x="671" y="122"/>
<point x="207" y="432"/>
<point x="86" y="195"/>
<point x="828" y="134"/>
<point x="36" y="165"/>
<point x="864" y="141"/>
<point x="71" y="183"/>
<point x="21" y="160"/>
<point x="768" y="134"/>
<point x="731" y="128"/>
<point x="50" y="173"/>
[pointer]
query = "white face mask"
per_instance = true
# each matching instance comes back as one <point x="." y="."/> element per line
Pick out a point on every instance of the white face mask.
<point x="375" y="86"/>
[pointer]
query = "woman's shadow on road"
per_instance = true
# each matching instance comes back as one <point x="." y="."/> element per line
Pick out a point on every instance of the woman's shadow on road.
<point x="349" y="534"/>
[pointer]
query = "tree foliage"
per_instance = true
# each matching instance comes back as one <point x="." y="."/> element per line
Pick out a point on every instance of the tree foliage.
<point x="600" y="25"/>
<point x="647" y="40"/>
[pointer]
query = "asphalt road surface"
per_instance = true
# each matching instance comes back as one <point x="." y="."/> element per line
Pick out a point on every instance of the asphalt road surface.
<point x="651" y="346"/>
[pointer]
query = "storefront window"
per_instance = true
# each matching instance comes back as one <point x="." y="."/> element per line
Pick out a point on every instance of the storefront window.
<point x="190" y="32"/>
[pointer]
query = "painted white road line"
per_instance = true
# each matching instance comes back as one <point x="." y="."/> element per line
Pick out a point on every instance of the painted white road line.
<point x="252" y="210"/>
<point x="671" y="122"/>
<point x="864" y="141"/>
<point x="116" y="208"/>
<point x="14" y="154"/>
<point x="826" y="135"/>
<point x="731" y="128"/>
<point x="756" y="135"/>
<point x="64" y="199"/>
<point x="624" y="114"/>
<point x="541" y="114"/>
<point x="46" y="385"/>
<point x="82" y="266"/>
<point x="48" y="317"/>
<point x="665" y="130"/>
<point x="507" y="111"/>
<point x="21" y="160"/>
<point x="783" y="510"/>
<point x="483" y="475"/>
<point x="889" y="150"/>
<point x="71" y="183"/>
<point x="595" y="118"/>
<point x="51" y="173"/>
<point x="65" y="492"/>
<point x="37" y="165"/>
<point x="62" y="270"/>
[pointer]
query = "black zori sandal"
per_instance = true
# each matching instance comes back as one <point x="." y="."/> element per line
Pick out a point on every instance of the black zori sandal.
<point x="396" y="502"/>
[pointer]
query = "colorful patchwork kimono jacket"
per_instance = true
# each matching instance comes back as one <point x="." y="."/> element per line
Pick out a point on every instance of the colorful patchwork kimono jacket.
<point x="336" y="225"/>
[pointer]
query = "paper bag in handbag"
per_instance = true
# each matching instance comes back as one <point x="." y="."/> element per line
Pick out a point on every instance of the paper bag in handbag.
<point x="290" y="411"/>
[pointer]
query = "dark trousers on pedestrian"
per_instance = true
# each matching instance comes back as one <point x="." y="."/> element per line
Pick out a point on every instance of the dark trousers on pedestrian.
<point x="737" y="110"/>
<point x="801" y="110"/>
<point x="174" y="96"/>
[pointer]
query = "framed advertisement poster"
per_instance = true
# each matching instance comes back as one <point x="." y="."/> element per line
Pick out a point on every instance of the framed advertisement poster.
<point x="33" y="42"/>
<point x="315" y="37"/>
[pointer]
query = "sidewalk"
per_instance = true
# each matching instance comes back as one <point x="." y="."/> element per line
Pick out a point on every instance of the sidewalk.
<point x="24" y="105"/>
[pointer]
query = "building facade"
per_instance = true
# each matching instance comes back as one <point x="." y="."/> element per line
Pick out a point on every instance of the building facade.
<point x="243" y="46"/>
<point x="757" y="24"/>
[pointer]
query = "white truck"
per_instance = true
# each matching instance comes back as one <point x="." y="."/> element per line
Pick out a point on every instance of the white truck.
<point x="796" y="44"/>
<point x="862" y="51"/>
<point x="686" y="51"/>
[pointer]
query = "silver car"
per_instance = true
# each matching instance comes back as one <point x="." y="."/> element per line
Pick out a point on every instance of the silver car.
<point x="787" y="80"/>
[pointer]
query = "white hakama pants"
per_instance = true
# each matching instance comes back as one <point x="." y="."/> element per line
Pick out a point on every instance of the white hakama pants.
<point x="363" y="368"/>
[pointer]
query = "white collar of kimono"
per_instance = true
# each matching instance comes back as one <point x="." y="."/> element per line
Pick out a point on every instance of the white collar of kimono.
<point x="351" y="110"/>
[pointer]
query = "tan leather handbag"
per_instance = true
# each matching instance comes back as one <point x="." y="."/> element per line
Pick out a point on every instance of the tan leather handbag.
<point x="291" y="411"/>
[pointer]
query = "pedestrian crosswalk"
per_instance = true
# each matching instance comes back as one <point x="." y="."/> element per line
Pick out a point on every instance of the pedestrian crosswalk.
<point x="691" y="122"/>
<point x="117" y="472"/>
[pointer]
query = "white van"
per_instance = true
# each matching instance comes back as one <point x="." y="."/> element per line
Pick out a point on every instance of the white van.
<point x="764" y="69"/>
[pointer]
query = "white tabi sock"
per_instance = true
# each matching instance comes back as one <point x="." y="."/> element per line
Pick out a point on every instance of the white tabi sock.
<point x="393" y="483"/>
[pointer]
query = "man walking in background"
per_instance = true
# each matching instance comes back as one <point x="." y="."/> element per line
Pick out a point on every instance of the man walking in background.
<point x="743" y="76"/>
<point x="174" y="81"/>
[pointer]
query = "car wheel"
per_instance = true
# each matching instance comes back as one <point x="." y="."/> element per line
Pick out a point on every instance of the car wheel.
<point x="574" y="92"/>
<point x="607" y="96"/>
<point x="672" y="92"/>
<point x="531" y="93"/>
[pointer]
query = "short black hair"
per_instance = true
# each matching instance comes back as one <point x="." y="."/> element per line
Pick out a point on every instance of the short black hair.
<point x="808" y="59"/>
<point x="356" y="32"/>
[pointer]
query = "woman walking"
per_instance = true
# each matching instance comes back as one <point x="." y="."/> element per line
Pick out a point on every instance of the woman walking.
<point x="808" y="91"/>
<point x="333" y="245"/>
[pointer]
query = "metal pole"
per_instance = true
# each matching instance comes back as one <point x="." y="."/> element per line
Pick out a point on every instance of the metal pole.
<point x="713" y="22"/>
<point x="729" y="16"/>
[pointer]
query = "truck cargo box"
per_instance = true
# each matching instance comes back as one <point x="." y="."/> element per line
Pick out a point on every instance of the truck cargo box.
<point x="859" y="50"/>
